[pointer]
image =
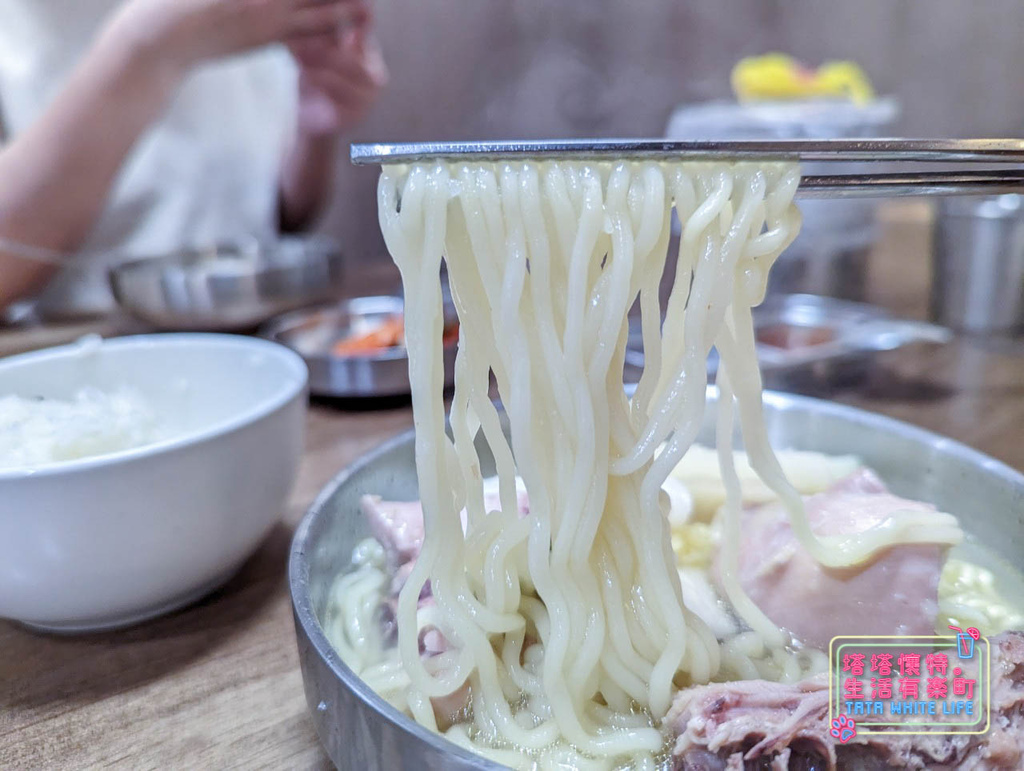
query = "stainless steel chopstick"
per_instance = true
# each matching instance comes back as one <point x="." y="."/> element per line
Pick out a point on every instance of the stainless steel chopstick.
<point x="930" y="183"/>
<point x="868" y="150"/>
<point x="863" y="185"/>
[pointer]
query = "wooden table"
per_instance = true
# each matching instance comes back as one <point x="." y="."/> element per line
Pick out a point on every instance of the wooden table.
<point x="218" y="686"/>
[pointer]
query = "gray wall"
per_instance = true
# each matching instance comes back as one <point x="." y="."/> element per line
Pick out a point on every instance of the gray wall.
<point x="471" y="69"/>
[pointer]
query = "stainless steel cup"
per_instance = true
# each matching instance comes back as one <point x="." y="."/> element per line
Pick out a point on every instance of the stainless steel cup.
<point x="978" y="275"/>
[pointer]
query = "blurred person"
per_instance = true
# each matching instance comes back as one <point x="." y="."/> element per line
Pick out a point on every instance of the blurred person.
<point x="136" y="128"/>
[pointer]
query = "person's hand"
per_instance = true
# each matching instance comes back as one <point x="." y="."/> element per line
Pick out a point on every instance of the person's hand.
<point x="340" y="75"/>
<point x="339" y="78"/>
<point x="186" y="32"/>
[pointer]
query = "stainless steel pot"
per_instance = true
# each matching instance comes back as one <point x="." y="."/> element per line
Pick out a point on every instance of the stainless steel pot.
<point x="829" y="255"/>
<point x="361" y="731"/>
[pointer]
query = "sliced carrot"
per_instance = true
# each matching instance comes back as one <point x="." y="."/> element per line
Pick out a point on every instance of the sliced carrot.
<point x="387" y="334"/>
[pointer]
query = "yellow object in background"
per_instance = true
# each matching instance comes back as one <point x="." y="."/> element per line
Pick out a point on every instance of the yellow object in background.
<point x="778" y="77"/>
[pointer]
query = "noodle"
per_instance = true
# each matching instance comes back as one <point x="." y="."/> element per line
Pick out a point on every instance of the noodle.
<point x="569" y="626"/>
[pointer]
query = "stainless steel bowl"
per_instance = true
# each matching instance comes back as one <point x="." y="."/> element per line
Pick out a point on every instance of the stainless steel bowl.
<point x="312" y="334"/>
<point x="360" y="730"/>
<point x="230" y="287"/>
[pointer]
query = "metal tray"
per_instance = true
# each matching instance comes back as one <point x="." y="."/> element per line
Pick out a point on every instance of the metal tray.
<point x="360" y="730"/>
<point x="312" y="333"/>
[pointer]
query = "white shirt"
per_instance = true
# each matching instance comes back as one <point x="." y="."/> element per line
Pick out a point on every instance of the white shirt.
<point x="206" y="172"/>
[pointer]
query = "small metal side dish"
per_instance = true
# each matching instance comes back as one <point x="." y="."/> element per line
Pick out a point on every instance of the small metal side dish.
<point x="313" y="333"/>
<point x="819" y="340"/>
<point x="809" y="342"/>
<point x="359" y="730"/>
<point x="229" y="287"/>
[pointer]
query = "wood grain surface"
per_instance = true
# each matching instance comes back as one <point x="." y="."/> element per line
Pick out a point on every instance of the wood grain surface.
<point x="218" y="686"/>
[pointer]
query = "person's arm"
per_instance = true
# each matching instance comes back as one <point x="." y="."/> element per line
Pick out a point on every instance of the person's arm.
<point x="55" y="177"/>
<point x="339" y="79"/>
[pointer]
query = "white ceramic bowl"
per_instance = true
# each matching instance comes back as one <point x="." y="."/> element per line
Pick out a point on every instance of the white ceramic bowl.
<point x="107" y="541"/>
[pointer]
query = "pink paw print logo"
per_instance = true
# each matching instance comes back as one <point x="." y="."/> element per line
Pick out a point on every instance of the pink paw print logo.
<point x="843" y="728"/>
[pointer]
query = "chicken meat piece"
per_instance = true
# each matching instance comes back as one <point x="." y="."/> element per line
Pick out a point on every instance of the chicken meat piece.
<point x="397" y="525"/>
<point x="756" y="724"/>
<point x="816" y="603"/>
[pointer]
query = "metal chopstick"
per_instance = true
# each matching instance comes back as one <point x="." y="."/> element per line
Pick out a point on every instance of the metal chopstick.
<point x="930" y="183"/>
<point x="867" y="150"/>
<point x="967" y="182"/>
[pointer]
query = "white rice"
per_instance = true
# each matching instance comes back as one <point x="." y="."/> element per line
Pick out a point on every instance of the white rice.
<point x="40" y="431"/>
